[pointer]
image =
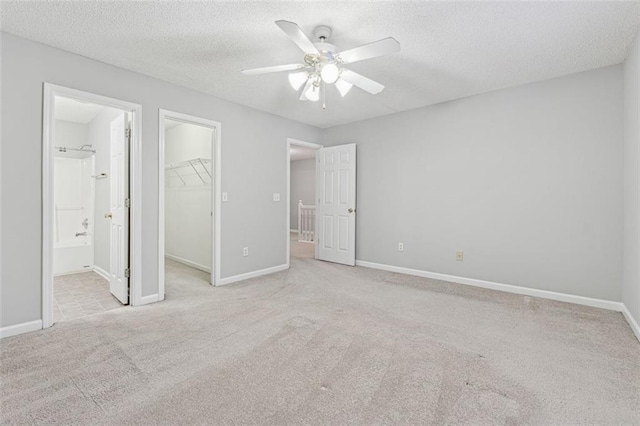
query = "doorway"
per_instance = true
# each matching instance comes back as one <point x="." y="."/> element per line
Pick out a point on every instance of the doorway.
<point x="330" y="222"/>
<point x="88" y="211"/>
<point x="301" y="199"/>
<point x="189" y="176"/>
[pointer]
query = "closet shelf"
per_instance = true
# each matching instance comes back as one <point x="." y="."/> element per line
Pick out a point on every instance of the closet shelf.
<point x="197" y="165"/>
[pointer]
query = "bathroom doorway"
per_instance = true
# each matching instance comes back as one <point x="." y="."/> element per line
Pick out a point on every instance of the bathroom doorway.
<point x="189" y="173"/>
<point x="87" y="204"/>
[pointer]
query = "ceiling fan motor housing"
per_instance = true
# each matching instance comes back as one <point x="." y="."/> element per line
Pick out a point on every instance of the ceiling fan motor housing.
<point x="322" y="32"/>
<point x="328" y="52"/>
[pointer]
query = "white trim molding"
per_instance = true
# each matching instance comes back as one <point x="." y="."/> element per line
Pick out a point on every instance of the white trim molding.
<point x="135" y="194"/>
<point x="216" y="196"/>
<point x="291" y="141"/>
<point x="25" y="327"/>
<point x="253" y="274"/>
<point x="152" y="298"/>
<point x="188" y="263"/>
<point x="631" y="320"/>
<point x="98" y="270"/>
<point x="545" y="294"/>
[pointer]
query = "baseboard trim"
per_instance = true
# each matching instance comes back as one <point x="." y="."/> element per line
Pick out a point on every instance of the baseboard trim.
<point x="545" y="294"/>
<point x="98" y="270"/>
<point x="188" y="263"/>
<point x="77" y="271"/>
<point x="293" y="230"/>
<point x="25" y="327"/>
<point x="258" y="273"/>
<point x="631" y="320"/>
<point x="145" y="300"/>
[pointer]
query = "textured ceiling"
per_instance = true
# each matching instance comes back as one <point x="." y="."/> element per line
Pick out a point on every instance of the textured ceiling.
<point x="449" y="49"/>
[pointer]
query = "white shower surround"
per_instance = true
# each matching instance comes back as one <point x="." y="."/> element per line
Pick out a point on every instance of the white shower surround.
<point x="74" y="200"/>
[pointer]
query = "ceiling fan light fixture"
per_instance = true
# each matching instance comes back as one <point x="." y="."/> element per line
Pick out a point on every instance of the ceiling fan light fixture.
<point x="330" y="73"/>
<point x="297" y="79"/>
<point x="343" y="87"/>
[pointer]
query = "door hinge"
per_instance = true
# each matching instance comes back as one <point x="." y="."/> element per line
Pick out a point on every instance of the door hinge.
<point x="127" y="202"/>
<point x="127" y="273"/>
<point x="127" y="133"/>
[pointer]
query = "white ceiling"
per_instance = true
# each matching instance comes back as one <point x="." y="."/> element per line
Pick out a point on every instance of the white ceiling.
<point x="75" y="111"/>
<point x="170" y="124"/>
<point x="449" y="49"/>
<point x="301" y="153"/>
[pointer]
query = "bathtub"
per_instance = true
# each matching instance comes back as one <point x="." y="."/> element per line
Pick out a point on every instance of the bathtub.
<point x="72" y="256"/>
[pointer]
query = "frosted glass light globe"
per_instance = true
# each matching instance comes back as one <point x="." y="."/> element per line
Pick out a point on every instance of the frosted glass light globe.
<point x="297" y="79"/>
<point x="312" y="93"/>
<point x="329" y="73"/>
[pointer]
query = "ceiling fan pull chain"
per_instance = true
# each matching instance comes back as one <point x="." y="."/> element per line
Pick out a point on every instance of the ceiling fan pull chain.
<point x="324" y="96"/>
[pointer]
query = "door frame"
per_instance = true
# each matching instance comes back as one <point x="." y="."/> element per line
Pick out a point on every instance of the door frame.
<point x="216" y="191"/>
<point x="292" y="141"/>
<point x="135" y="190"/>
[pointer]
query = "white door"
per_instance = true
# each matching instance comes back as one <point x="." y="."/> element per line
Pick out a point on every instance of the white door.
<point x="119" y="210"/>
<point x="336" y="207"/>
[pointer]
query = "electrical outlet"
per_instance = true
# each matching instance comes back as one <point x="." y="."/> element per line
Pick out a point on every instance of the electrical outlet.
<point x="459" y="256"/>
<point x="245" y="251"/>
<point x="225" y="197"/>
<point x="400" y="246"/>
<point x="276" y="196"/>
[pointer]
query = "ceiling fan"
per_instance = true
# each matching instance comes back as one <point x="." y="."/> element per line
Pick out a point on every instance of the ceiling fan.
<point x="324" y="63"/>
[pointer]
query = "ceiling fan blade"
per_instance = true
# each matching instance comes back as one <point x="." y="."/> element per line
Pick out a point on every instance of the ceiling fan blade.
<point x="277" y="68"/>
<point x="371" y="50"/>
<point x="295" y="33"/>
<point x="361" y="81"/>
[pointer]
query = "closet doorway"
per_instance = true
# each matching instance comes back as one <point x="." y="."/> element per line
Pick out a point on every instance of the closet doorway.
<point x="189" y="211"/>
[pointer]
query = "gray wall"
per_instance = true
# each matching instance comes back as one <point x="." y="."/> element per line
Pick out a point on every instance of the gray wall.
<point x="253" y="156"/>
<point x="631" y="273"/>
<point x="526" y="181"/>
<point x="303" y="186"/>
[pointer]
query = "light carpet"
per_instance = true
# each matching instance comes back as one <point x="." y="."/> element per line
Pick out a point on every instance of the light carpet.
<point x="327" y="344"/>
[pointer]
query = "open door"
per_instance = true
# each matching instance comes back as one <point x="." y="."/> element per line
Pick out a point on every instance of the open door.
<point x="119" y="211"/>
<point x="336" y="208"/>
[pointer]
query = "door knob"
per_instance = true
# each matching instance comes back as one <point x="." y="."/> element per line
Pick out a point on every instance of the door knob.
<point x="351" y="210"/>
<point x="108" y="215"/>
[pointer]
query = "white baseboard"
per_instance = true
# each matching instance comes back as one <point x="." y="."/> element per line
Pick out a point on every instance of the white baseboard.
<point x="24" y="327"/>
<point x="145" y="300"/>
<point x="295" y="231"/>
<point x="104" y="274"/>
<point x="545" y="294"/>
<point x="188" y="262"/>
<point x="242" y="277"/>
<point x="632" y="321"/>
<point x="78" y="271"/>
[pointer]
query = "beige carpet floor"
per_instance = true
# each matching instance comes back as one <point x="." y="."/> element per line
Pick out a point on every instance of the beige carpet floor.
<point x="327" y="344"/>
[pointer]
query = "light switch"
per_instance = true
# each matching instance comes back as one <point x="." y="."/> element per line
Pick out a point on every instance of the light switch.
<point x="276" y="196"/>
<point x="225" y="197"/>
